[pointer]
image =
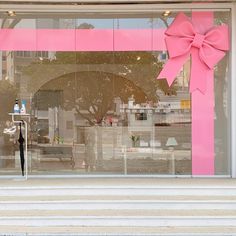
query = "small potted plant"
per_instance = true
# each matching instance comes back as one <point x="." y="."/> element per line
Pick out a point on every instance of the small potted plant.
<point x="135" y="140"/>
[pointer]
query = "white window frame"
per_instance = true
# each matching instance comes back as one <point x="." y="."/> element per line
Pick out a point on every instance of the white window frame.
<point x="233" y="93"/>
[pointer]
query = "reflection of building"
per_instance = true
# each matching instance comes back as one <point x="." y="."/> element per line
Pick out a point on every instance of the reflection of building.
<point x="169" y="110"/>
<point x="168" y="114"/>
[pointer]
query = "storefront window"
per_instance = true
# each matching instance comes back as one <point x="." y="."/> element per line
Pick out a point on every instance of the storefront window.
<point x="95" y="106"/>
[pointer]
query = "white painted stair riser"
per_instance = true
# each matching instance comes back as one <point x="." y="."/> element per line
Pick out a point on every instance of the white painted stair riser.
<point x="118" y="191"/>
<point x="117" y="205"/>
<point x="125" y="221"/>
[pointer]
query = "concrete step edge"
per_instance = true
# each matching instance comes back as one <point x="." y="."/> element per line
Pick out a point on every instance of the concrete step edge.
<point x="84" y="221"/>
<point x="119" y="198"/>
<point x="116" y="217"/>
<point x="115" y="231"/>
<point x="121" y="234"/>
<point x="118" y="201"/>
<point x="197" y="187"/>
<point x="118" y="192"/>
<point x="117" y="205"/>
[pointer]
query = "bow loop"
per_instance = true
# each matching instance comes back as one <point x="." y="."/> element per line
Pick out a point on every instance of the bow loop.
<point x="210" y="56"/>
<point x="177" y="46"/>
<point x="181" y="27"/>
<point x="218" y="37"/>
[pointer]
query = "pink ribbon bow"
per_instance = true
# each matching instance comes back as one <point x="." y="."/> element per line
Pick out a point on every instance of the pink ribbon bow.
<point x="206" y="51"/>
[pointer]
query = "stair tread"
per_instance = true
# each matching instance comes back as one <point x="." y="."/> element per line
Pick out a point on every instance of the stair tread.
<point x="38" y="191"/>
<point x="116" y="198"/>
<point x="117" y="213"/>
<point x="125" y="182"/>
<point x="116" y="230"/>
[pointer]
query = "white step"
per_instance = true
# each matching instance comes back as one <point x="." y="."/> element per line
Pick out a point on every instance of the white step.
<point x="120" y="221"/>
<point x="118" y="231"/>
<point x="117" y="205"/>
<point x="119" y="190"/>
<point x="133" y="206"/>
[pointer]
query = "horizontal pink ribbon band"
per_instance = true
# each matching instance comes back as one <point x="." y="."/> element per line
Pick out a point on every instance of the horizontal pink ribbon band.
<point x="82" y="40"/>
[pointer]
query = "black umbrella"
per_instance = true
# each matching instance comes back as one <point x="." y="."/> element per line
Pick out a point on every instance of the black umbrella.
<point x="21" y="141"/>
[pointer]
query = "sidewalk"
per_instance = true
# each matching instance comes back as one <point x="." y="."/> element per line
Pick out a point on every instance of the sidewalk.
<point x="119" y="182"/>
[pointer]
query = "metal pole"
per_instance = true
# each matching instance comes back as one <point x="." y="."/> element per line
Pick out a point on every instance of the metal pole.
<point x="173" y="161"/>
<point x="26" y="150"/>
<point x="125" y="160"/>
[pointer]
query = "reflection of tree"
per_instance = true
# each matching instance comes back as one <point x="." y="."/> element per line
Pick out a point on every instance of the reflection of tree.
<point x="8" y="95"/>
<point x="91" y="80"/>
<point x="85" y="26"/>
<point x="141" y="68"/>
<point x="10" y="23"/>
<point x="92" y="94"/>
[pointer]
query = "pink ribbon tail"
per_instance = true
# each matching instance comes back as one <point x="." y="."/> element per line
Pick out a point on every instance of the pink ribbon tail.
<point x="172" y="68"/>
<point x="199" y="73"/>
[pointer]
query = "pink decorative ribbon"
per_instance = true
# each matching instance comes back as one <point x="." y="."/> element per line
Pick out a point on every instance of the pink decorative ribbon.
<point x="182" y="40"/>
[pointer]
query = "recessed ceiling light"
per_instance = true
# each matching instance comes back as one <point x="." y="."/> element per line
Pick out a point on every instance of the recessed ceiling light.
<point x="11" y="13"/>
<point x="138" y="58"/>
<point x="166" y="13"/>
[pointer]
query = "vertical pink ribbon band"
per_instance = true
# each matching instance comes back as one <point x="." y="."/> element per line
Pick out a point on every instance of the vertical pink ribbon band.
<point x="203" y="151"/>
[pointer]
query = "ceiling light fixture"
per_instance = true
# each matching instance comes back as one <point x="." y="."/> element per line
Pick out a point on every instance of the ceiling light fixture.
<point x="11" y="13"/>
<point x="138" y="58"/>
<point x="166" y="13"/>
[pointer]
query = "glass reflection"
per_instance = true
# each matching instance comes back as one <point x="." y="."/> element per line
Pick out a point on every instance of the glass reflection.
<point x="103" y="112"/>
<point x="101" y="116"/>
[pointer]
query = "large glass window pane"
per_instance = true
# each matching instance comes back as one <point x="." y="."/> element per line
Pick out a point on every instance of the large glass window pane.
<point x="94" y="102"/>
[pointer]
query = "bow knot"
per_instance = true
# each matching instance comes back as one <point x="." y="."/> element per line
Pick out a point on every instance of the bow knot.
<point x="206" y="50"/>
<point x="198" y="40"/>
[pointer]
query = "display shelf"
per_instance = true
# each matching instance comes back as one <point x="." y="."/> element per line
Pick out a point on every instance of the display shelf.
<point x="18" y="114"/>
